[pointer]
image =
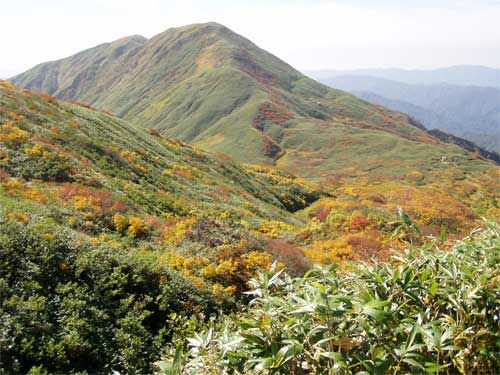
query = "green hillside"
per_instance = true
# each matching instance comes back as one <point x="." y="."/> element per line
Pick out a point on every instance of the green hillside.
<point x="119" y="239"/>
<point x="114" y="240"/>
<point x="208" y="86"/>
<point x="106" y="230"/>
<point x="66" y="143"/>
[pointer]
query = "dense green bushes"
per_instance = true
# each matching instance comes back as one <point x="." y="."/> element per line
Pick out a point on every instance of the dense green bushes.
<point x="428" y="310"/>
<point x="67" y="306"/>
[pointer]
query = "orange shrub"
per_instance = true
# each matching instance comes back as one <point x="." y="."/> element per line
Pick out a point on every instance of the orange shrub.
<point x="154" y="132"/>
<point x="48" y="98"/>
<point x="290" y="255"/>
<point x="18" y="216"/>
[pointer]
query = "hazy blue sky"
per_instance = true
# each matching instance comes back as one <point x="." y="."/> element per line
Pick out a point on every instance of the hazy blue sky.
<point x="309" y="34"/>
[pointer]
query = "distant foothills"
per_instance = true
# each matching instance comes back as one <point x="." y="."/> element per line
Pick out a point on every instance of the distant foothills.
<point x="462" y="100"/>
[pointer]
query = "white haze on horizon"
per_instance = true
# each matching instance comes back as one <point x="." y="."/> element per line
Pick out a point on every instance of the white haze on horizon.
<point x="310" y="35"/>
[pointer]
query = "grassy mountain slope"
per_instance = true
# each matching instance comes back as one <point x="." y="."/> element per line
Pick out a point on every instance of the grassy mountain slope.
<point x="206" y="85"/>
<point x="95" y="148"/>
<point x="115" y="240"/>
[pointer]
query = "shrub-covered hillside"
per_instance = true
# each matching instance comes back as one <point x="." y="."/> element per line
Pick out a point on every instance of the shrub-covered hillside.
<point x="107" y="230"/>
<point x="426" y="311"/>
<point x="112" y="236"/>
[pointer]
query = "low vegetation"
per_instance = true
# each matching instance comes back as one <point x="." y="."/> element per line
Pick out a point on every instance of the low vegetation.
<point x="426" y="311"/>
<point x="116" y="242"/>
<point x="110" y="236"/>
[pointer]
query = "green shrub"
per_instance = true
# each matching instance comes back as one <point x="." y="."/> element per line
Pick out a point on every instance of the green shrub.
<point x="67" y="306"/>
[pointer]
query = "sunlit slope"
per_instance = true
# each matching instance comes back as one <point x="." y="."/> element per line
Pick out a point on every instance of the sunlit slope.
<point x="209" y="86"/>
<point x="49" y="142"/>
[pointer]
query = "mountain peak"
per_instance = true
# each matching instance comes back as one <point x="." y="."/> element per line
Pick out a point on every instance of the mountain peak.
<point x="207" y="85"/>
<point x="131" y="39"/>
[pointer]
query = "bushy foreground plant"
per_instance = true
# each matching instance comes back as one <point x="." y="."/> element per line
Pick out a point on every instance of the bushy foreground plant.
<point x="426" y="311"/>
<point x="70" y="307"/>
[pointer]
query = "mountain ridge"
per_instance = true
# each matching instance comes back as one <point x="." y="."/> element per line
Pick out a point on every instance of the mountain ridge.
<point x="209" y="86"/>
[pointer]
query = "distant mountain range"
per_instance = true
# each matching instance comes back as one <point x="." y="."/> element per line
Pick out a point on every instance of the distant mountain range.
<point x="463" y="75"/>
<point x="472" y="112"/>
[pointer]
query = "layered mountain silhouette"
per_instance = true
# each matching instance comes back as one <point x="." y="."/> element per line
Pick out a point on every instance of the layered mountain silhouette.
<point x="209" y="86"/>
<point x="461" y="75"/>
<point x="472" y="112"/>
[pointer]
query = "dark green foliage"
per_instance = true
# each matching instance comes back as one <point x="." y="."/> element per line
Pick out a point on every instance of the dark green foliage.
<point x="29" y="168"/>
<point x="67" y="306"/>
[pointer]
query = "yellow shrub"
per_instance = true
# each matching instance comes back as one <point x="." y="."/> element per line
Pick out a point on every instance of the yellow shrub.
<point x="18" y="216"/>
<point x="227" y="267"/>
<point x="218" y="291"/>
<point x="230" y="290"/>
<point x="137" y="227"/>
<point x="120" y="222"/>
<point x="173" y="235"/>
<point x="49" y="237"/>
<point x="36" y="150"/>
<point x="81" y="202"/>
<point x="329" y="251"/>
<point x="195" y="263"/>
<point x="172" y="259"/>
<point x="258" y="260"/>
<point x="199" y="282"/>
<point x="12" y="136"/>
<point x="7" y="84"/>
<point x="274" y="228"/>
<point x="208" y="272"/>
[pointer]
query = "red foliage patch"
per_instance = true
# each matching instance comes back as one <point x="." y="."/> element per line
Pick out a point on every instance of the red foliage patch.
<point x="3" y="175"/>
<point x="154" y="132"/>
<point x="365" y="245"/>
<point x="101" y="199"/>
<point x="277" y="113"/>
<point x="359" y="222"/>
<point x="48" y="98"/>
<point x="322" y="213"/>
<point x="84" y="105"/>
<point x="290" y="255"/>
<point x="155" y="223"/>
